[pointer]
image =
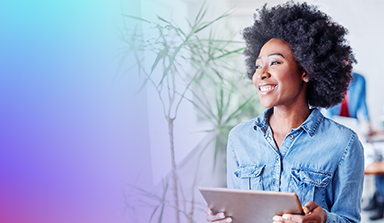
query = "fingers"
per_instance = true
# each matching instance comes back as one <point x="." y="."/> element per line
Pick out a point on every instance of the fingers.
<point x="225" y="220"/>
<point x="217" y="218"/>
<point x="212" y="217"/>
<point x="309" y="207"/>
<point x="318" y="214"/>
<point x="293" y="218"/>
<point x="288" y="218"/>
<point x="207" y="210"/>
<point x="313" y="213"/>
<point x="278" y="219"/>
<point x="306" y="210"/>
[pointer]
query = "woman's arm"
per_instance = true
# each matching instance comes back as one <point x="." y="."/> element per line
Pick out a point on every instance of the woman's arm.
<point x="232" y="165"/>
<point x="348" y="184"/>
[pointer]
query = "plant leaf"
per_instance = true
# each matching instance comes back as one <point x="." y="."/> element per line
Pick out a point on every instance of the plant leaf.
<point x="163" y="202"/>
<point x="199" y="13"/>
<point x="137" y="18"/>
<point x="153" y="213"/>
<point x="229" y="53"/>
<point x="209" y="23"/>
<point x="170" y="63"/>
<point x="159" y="56"/>
<point x="240" y="109"/>
<point x="161" y="19"/>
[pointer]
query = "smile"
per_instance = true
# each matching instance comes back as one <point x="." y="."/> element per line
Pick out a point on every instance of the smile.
<point x="266" y="88"/>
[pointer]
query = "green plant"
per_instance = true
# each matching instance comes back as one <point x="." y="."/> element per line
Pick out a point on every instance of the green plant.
<point x="168" y="75"/>
<point x="229" y="100"/>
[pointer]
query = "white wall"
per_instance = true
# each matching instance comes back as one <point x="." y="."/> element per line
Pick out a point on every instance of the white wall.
<point x="363" y="19"/>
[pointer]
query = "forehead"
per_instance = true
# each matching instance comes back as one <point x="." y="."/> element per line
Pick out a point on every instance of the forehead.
<point x="276" y="46"/>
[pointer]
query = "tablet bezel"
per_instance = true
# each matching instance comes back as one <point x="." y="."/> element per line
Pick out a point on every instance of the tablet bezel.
<point x="245" y="206"/>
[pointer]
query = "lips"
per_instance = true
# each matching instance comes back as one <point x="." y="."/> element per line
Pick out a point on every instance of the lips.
<point x="266" y="88"/>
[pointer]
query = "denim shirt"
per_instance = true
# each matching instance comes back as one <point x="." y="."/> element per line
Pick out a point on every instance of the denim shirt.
<point x="320" y="161"/>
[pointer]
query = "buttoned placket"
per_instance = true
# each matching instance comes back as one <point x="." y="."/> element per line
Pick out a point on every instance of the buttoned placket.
<point x="280" y="153"/>
<point x="288" y="141"/>
<point x="276" y="172"/>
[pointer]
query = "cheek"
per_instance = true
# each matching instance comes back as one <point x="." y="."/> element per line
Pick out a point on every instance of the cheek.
<point x="291" y="78"/>
<point x="254" y="80"/>
<point x="293" y="84"/>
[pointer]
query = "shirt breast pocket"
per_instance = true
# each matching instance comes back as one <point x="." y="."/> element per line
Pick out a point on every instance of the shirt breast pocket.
<point x="250" y="177"/>
<point x="309" y="185"/>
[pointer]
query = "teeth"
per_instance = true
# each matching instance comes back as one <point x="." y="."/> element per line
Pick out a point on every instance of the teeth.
<point x="266" y="88"/>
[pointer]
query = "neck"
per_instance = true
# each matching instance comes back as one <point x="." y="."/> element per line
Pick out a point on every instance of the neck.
<point x="283" y="119"/>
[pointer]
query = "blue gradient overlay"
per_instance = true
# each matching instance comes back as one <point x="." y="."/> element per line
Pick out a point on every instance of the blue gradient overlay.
<point x="71" y="128"/>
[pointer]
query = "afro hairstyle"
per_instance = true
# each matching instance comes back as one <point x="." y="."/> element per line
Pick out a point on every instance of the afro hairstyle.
<point x="317" y="43"/>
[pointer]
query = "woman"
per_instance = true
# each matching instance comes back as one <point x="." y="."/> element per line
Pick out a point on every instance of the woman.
<point x="298" y="60"/>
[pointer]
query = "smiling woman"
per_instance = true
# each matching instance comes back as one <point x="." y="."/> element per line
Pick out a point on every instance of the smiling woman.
<point x="281" y="83"/>
<point x="278" y="78"/>
<point x="298" y="60"/>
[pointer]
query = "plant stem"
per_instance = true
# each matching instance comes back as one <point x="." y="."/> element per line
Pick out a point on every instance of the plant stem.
<point x="191" y="212"/>
<point x="174" y="173"/>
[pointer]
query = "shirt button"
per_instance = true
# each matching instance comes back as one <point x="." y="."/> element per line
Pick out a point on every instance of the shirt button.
<point x="276" y="182"/>
<point x="291" y="136"/>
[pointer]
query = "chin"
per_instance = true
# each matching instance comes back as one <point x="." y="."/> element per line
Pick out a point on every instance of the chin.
<point x="266" y="105"/>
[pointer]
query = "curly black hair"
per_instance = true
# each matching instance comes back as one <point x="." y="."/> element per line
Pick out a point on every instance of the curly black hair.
<point x="317" y="43"/>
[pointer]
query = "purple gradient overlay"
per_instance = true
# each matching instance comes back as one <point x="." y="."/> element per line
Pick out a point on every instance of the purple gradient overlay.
<point x="73" y="132"/>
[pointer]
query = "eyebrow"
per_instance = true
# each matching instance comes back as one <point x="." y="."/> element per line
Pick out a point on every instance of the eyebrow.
<point x="273" y="54"/>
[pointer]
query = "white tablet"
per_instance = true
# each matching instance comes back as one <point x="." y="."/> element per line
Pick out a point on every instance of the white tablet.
<point x="247" y="206"/>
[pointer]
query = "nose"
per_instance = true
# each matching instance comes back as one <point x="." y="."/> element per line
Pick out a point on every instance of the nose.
<point x="263" y="73"/>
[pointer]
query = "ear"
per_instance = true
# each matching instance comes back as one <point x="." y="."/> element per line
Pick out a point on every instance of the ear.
<point x="304" y="76"/>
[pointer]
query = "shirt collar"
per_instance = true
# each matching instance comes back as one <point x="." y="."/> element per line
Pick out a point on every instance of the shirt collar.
<point x="310" y="125"/>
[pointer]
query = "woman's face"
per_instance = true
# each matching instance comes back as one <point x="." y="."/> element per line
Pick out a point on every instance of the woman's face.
<point x="278" y="79"/>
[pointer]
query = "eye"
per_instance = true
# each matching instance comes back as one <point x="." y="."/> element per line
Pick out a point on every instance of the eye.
<point x="274" y="63"/>
<point x="257" y="66"/>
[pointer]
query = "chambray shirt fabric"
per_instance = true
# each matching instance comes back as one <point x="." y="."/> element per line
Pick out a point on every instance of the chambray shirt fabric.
<point x="356" y="99"/>
<point x="320" y="161"/>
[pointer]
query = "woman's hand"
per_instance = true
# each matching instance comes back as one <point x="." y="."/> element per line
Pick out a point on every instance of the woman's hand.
<point x="314" y="213"/>
<point x="217" y="218"/>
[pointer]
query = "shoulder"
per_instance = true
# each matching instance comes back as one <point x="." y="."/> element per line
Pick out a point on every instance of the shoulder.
<point x="244" y="127"/>
<point x="340" y="135"/>
<point x="327" y="133"/>
<point x="240" y="137"/>
<point x="331" y="126"/>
